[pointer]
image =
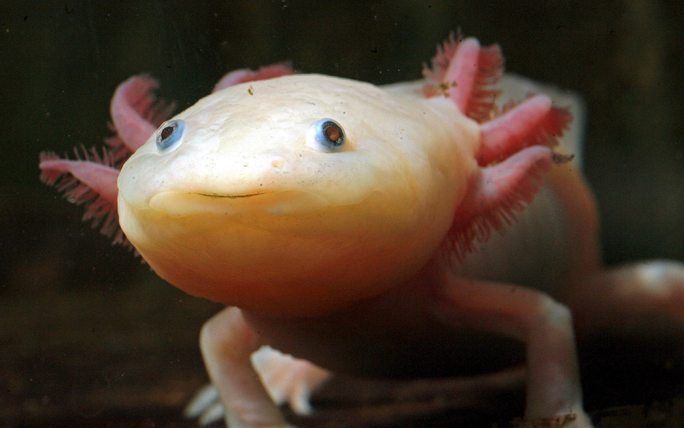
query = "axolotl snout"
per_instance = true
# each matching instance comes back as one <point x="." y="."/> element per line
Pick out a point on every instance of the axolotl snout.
<point x="352" y="226"/>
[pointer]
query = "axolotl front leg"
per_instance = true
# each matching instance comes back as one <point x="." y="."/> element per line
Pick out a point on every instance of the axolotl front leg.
<point x="512" y="155"/>
<point x="249" y="379"/>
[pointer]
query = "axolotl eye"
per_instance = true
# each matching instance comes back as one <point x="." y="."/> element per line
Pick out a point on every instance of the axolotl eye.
<point x="328" y="134"/>
<point x="170" y="135"/>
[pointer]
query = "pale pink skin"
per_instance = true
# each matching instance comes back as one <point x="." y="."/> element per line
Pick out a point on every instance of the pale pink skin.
<point x="514" y="154"/>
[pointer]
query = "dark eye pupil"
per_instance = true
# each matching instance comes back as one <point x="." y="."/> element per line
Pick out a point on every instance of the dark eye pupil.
<point x="170" y="135"/>
<point x="332" y="132"/>
<point x="167" y="132"/>
<point x="328" y="134"/>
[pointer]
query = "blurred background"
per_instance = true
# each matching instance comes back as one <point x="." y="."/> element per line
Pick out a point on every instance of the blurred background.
<point x="86" y="328"/>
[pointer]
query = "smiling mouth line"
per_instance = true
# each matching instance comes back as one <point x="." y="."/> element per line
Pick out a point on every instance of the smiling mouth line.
<point x="218" y="195"/>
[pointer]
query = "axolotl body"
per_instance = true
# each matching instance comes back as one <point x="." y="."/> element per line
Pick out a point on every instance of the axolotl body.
<point x="353" y="227"/>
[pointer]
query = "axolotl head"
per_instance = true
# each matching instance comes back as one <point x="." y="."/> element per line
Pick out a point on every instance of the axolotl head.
<point x="297" y="195"/>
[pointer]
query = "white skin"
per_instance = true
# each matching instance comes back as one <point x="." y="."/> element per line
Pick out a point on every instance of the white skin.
<point x="337" y="255"/>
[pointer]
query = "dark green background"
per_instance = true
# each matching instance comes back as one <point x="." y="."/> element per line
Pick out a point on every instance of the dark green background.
<point x="60" y="62"/>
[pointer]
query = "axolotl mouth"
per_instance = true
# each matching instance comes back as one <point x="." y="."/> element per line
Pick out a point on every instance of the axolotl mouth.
<point x="218" y="195"/>
<point x="178" y="203"/>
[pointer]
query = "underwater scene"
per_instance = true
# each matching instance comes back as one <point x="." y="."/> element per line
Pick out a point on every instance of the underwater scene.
<point x="342" y="214"/>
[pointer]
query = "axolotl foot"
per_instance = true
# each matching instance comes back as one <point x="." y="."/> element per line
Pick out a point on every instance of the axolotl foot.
<point x="287" y="380"/>
<point x="250" y="379"/>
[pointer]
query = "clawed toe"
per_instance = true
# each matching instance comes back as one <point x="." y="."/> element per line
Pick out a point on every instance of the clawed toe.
<point x="205" y="406"/>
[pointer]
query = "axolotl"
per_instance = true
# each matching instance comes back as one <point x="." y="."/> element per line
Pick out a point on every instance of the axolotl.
<point x="409" y="230"/>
